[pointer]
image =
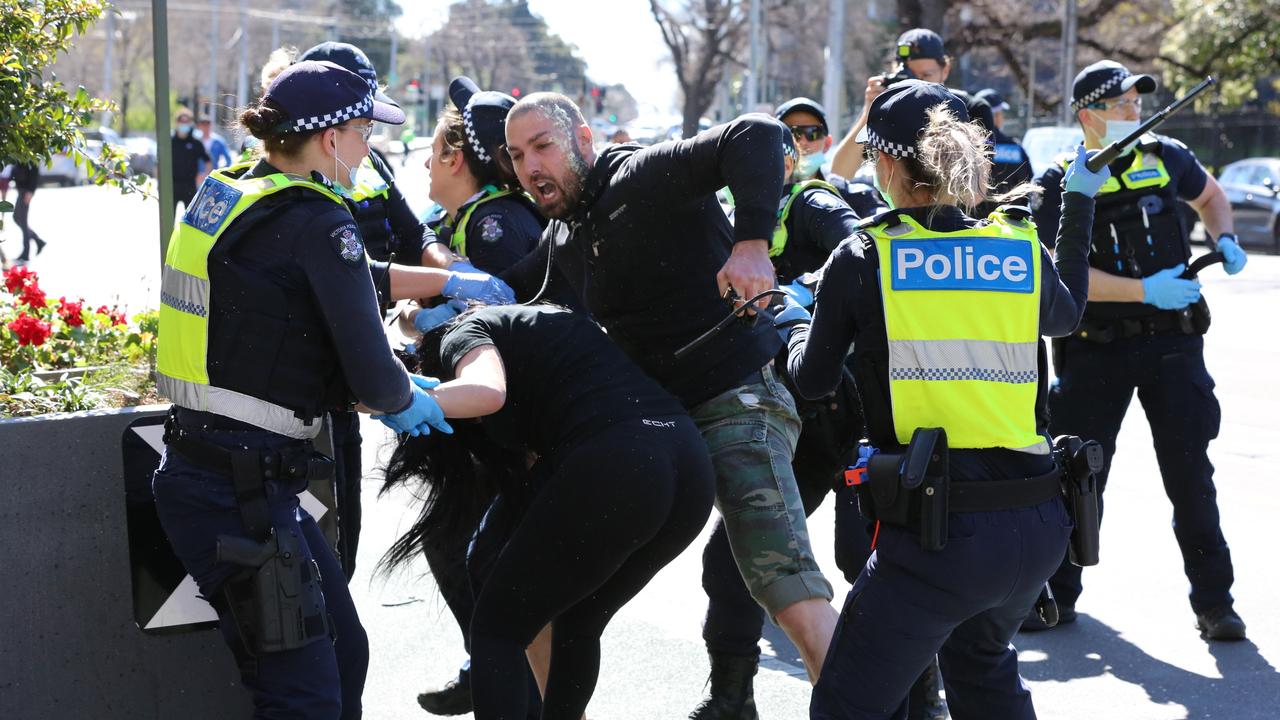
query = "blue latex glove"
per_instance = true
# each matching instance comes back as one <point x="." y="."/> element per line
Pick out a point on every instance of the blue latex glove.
<point x="429" y="319"/>
<point x="798" y="293"/>
<point x="479" y="287"/>
<point x="1234" y="254"/>
<point x="1167" y="291"/>
<point x="422" y="414"/>
<point x="463" y="266"/>
<point x="789" y="317"/>
<point x="1080" y="179"/>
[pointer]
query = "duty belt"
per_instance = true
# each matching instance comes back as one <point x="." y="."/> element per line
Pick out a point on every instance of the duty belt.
<point x="988" y="495"/>
<point x="1163" y="323"/>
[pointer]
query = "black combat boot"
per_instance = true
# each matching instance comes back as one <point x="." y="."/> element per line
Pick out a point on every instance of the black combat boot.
<point x="731" y="692"/>
<point x="924" y="702"/>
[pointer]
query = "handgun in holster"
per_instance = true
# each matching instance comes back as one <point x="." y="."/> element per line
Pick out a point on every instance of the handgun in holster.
<point x="1081" y="461"/>
<point x="910" y="489"/>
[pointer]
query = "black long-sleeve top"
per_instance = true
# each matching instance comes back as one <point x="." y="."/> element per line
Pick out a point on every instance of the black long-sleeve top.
<point x="849" y="309"/>
<point x="645" y="245"/>
<point x="819" y="221"/>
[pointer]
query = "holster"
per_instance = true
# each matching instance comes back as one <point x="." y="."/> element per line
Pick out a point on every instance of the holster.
<point x="1081" y="460"/>
<point x="911" y="489"/>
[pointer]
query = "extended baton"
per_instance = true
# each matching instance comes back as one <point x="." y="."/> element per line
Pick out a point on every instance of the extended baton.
<point x="1114" y="150"/>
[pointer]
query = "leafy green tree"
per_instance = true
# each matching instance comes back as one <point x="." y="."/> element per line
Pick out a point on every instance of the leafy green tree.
<point x="1234" y="40"/>
<point x="39" y="116"/>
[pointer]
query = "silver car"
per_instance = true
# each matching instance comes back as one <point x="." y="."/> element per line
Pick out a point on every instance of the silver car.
<point x="1253" y="187"/>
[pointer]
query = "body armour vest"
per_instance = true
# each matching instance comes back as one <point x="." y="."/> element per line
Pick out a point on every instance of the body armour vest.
<point x="962" y="319"/>
<point x="245" y="347"/>
<point x="370" y="196"/>
<point x="1137" y="230"/>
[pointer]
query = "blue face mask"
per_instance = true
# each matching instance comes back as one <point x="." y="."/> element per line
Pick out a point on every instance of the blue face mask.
<point x="887" y="200"/>
<point x="184" y="129"/>
<point x="810" y="164"/>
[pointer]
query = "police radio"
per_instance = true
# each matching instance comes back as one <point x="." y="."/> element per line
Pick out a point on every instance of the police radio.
<point x="1103" y="158"/>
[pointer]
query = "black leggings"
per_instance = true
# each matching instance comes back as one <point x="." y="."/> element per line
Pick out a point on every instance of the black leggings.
<point x="617" y="507"/>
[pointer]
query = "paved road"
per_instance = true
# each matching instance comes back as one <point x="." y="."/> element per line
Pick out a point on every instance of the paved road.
<point x="1134" y="655"/>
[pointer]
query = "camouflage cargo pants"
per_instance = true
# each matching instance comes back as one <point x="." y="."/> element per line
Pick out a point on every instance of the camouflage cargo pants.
<point x="751" y="432"/>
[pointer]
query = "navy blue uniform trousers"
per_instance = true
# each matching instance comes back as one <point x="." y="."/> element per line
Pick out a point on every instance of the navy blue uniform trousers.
<point x="1094" y="388"/>
<point x="323" y="680"/>
<point x="963" y="603"/>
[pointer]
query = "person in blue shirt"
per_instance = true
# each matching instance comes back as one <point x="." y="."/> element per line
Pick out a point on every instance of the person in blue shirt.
<point x="214" y="144"/>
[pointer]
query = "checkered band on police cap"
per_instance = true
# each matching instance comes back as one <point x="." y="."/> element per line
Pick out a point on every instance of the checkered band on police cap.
<point x="1117" y="77"/>
<point x="329" y="119"/>
<point x="469" y="124"/>
<point x="897" y="150"/>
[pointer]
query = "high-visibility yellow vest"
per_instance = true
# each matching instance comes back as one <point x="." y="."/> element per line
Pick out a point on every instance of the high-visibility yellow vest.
<point x="962" y="315"/>
<point x="1146" y="170"/>
<point x="779" y="242"/>
<point x="458" y="240"/>
<point x="369" y="182"/>
<point x="182" y="353"/>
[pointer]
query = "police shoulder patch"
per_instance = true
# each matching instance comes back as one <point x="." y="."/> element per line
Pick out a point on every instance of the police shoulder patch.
<point x="347" y="243"/>
<point x="491" y="228"/>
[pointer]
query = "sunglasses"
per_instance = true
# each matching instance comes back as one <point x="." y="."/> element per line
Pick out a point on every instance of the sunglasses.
<point x="811" y="133"/>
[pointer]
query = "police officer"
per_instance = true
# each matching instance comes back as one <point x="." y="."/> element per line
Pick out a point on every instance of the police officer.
<point x="1010" y="164"/>
<point x="269" y="321"/>
<point x="919" y="53"/>
<point x="808" y="122"/>
<point x="1143" y="330"/>
<point x="812" y="221"/>
<point x="944" y="314"/>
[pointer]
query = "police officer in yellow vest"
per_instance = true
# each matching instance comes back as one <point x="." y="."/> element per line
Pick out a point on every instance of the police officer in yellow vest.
<point x="944" y="313"/>
<point x="268" y="320"/>
<point x="1143" y="330"/>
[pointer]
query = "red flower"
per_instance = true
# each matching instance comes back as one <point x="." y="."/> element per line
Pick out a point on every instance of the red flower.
<point x="71" y="312"/>
<point x="102" y="310"/>
<point x="118" y="317"/>
<point x="29" y="330"/>
<point x="18" y="277"/>
<point x="34" y="297"/>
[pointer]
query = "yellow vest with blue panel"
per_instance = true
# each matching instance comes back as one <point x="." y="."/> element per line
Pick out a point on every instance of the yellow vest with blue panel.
<point x="183" y="342"/>
<point x="962" y="317"/>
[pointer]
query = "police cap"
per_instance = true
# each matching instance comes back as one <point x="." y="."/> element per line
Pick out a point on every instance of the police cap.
<point x="805" y="104"/>
<point x="319" y="94"/>
<point x="352" y="58"/>
<point x="993" y="98"/>
<point x="918" y="43"/>
<point x="484" y="116"/>
<point x="898" y="116"/>
<point x="1107" y="79"/>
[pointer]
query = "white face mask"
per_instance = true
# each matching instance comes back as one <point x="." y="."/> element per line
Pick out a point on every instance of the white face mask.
<point x="1118" y="130"/>
<point x="350" y="184"/>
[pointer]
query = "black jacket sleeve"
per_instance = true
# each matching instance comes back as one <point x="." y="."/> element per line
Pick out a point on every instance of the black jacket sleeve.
<point x="815" y="355"/>
<point x="412" y="236"/>
<point x="345" y="296"/>
<point x="1064" y="285"/>
<point x="829" y="221"/>
<point x="1048" y="211"/>
<point x="745" y="154"/>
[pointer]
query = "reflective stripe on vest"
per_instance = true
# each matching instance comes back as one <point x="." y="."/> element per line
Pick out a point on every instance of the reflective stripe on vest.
<point x="458" y="240"/>
<point x="182" y="352"/>
<point x="369" y="182"/>
<point x="779" y="242"/>
<point x="1146" y="170"/>
<point x="962" y="317"/>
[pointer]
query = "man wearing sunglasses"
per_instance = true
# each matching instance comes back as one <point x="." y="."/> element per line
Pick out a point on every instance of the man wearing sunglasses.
<point x="808" y="122"/>
<point x="1143" y="330"/>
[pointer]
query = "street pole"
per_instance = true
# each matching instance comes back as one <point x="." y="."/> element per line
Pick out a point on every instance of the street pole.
<point x="1068" y="57"/>
<point x="750" y="94"/>
<point x="213" y="58"/>
<point x="1031" y="86"/>
<point x="107" y="62"/>
<point x="275" y="33"/>
<point x="426" y="83"/>
<point x="242" y="79"/>
<point x="164" y="147"/>
<point x="392" y="80"/>
<point x="833" y="80"/>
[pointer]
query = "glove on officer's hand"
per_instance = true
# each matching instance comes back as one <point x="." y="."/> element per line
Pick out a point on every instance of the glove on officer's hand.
<point x="422" y="414"/>
<point x="799" y="293"/>
<point x="463" y="266"/>
<point x="1167" y="291"/>
<point x="1081" y="179"/>
<point x="478" y="286"/>
<point x="789" y="317"/>
<point x="429" y="319"/>
<point x="1234" y="254"/>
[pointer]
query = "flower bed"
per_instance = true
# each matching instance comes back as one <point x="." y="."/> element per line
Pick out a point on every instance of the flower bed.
<point x="107" y="359"/>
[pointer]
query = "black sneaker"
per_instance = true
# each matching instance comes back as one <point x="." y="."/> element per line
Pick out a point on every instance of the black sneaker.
<point x="1220" y="623"/>
<point x="452" y="699"/>
<point x="1033" y="623"/>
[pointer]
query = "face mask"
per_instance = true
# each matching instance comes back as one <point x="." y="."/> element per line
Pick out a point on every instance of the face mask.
<point x="350" y="184"/>
<point x="810" y="165"/>
<point x="184" y="129"/>
<point x="1117" y="130"/>
<point x="876" y="182"/>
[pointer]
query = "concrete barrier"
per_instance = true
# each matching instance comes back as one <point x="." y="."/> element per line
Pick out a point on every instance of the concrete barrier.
<point x="75" y="598"/>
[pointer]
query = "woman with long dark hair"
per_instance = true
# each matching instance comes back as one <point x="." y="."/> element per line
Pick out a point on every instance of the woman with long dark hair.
<point x="621" y="484"/>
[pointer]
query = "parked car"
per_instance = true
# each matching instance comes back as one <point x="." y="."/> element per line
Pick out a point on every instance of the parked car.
<point x="1253" y="187"/>
<point x="142" y="155"/>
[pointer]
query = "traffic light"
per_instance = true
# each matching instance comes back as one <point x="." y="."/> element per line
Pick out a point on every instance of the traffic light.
<point x="613" y="119"/>
<point x="515" y="92"/>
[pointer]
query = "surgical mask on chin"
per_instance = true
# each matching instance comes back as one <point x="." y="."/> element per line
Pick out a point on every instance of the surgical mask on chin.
<point x="1118" y="130"/>
<point x="810" y="165"/>
<point x="343" y="188"/>
<point x="875" y="180"/>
